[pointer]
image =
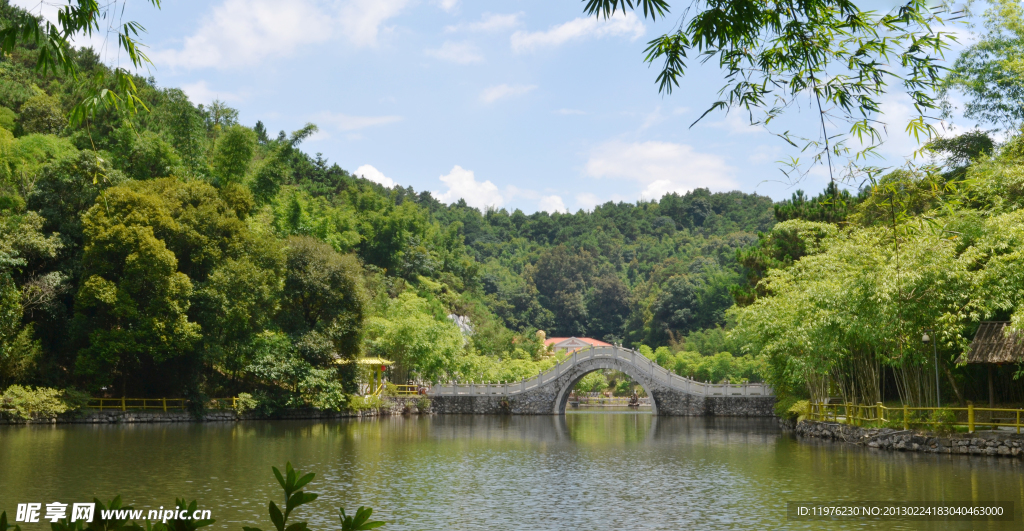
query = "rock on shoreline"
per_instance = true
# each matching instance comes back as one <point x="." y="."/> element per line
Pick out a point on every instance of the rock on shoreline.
<point x="978" y="443"/>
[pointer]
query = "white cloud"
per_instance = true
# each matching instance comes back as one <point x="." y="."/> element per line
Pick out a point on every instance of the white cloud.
<point x="373" y="174"/>
<point x="448" y="5"/>
<point x="652" y="119"/>
<point x="589" y="27"/>
<point x="737" y="123"/>
<point x="588" y="201"/>
<point x="319" y="136"/>
<point x="490" y="22"/>
<point x="244" y="32"/>
<point x="240" y="33"/>
<point x="552" y="204"/>
<point x="661" y="167"/>
<point x="344" y="122"/>
<point x="765" y="154"/>
<point x="462" y="184"/>
<point x="463" y="53"/>
<point x="200" y="92"/>
<point x="361" y="20"/>
<point x="497" y="92"/>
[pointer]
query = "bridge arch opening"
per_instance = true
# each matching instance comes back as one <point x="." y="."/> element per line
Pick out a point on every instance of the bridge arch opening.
<point x="583" y="369"/>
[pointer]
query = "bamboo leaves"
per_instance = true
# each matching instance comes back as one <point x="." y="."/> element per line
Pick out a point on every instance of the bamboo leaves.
<point x="843" y="59"/>
<point x="53" y="53"/>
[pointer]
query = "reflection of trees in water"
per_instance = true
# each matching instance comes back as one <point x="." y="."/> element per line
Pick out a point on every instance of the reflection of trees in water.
<point x="611" y="428"/>
<point x="716" y="430"/>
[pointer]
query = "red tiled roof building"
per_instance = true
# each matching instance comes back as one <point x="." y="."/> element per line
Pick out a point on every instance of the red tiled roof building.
<point x="572" y="344"/>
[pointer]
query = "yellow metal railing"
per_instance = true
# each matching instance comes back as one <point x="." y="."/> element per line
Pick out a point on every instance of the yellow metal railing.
<point x="394" y="390"/>
<point x="969" y="416"/>
<point x="406" y="390"/>
<point x="165" y="404"/>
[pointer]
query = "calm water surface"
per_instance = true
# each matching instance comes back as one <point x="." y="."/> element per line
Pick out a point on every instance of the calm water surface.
<point x="587" y="470"/>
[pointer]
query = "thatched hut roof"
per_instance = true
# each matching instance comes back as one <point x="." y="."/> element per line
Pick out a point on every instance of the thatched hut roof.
<point x="992" y="344"/>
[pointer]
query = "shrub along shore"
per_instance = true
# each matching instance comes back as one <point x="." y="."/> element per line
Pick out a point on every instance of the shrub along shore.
<point x="382" y="406"/>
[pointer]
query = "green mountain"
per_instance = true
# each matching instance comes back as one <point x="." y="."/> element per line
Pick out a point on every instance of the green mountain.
<point x="175" y="251"/>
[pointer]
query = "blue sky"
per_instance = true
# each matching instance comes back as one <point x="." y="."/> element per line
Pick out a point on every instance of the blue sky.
<point x="510" y="103"/>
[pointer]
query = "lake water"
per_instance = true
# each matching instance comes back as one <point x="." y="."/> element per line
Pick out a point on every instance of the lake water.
<point x="587" y="470"/>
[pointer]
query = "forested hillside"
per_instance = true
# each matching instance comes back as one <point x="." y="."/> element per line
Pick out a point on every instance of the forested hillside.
<point x="177" y="252"/>
<point x="173" y="251"/>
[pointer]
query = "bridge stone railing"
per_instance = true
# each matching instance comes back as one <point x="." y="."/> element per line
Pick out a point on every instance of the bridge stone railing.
<point x="548" y="392"/>
<point x="655" y="372"/>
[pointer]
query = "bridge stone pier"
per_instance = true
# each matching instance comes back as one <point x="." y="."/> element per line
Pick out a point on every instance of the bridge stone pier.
<point x="548" y="393"/>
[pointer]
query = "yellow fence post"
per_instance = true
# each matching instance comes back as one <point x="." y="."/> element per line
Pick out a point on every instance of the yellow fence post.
<point x="970" y="416"/>
<point x="906" y="418"/>
<point x="165" y="405"/>
<point x="122" y="404"/>
<point x="880" y="412"/>
<point x="1018" y="422"/>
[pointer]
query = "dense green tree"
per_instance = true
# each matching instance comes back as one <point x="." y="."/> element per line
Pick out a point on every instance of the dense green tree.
<point x="562" y="278"/>
<point x="426" y="345"/>
<point x="8" y="118"/>
<point x="990" y="71"/>
<point x="238" y="301"/>
<point x="778" y="249"/>
<point x="22" y="242"/>
<point x="232" y="154"/>
<point x="144" y="155"/>
<point x="177" y="119"/>
<point x="65" y="190"/>
<point x="833" y="205"/>
<point x="594" y="382"/>
<point x="219" y="118"/>
<point x="324" y="303"/>
<point x="41" y="114"/>
<point x="133" y="303"/>
<point x="608" y="307"/>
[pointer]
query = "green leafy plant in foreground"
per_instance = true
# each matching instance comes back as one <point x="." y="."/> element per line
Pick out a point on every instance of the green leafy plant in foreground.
<point x="3" y="523"/>
<point x="292" y="482"/>
<point x="359" y="521"/>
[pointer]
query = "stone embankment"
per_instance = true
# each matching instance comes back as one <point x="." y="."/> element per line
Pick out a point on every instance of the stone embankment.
<point x="992" y="443"/>
<point x="392" y="406"/>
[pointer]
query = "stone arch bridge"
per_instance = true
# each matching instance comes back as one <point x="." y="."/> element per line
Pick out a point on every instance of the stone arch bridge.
<point x="548" y="393"/>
